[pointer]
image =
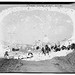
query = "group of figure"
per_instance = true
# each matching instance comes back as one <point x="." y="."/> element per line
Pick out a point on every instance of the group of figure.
<point x="46" y="49"/>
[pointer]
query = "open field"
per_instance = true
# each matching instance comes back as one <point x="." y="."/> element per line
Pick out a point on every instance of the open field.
<point x="57" y="64"/>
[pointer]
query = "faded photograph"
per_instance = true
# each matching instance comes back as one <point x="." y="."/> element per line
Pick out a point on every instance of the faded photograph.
<point x="37" y="38"/>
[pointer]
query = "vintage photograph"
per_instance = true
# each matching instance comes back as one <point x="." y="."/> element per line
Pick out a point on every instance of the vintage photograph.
<point x="37" y="38"/>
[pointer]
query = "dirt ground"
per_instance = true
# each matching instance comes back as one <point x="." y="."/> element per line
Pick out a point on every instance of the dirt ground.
<point x="56" y="65"/>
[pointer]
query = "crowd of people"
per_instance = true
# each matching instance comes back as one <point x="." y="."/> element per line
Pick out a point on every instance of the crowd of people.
<point x="46" y="49"/>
